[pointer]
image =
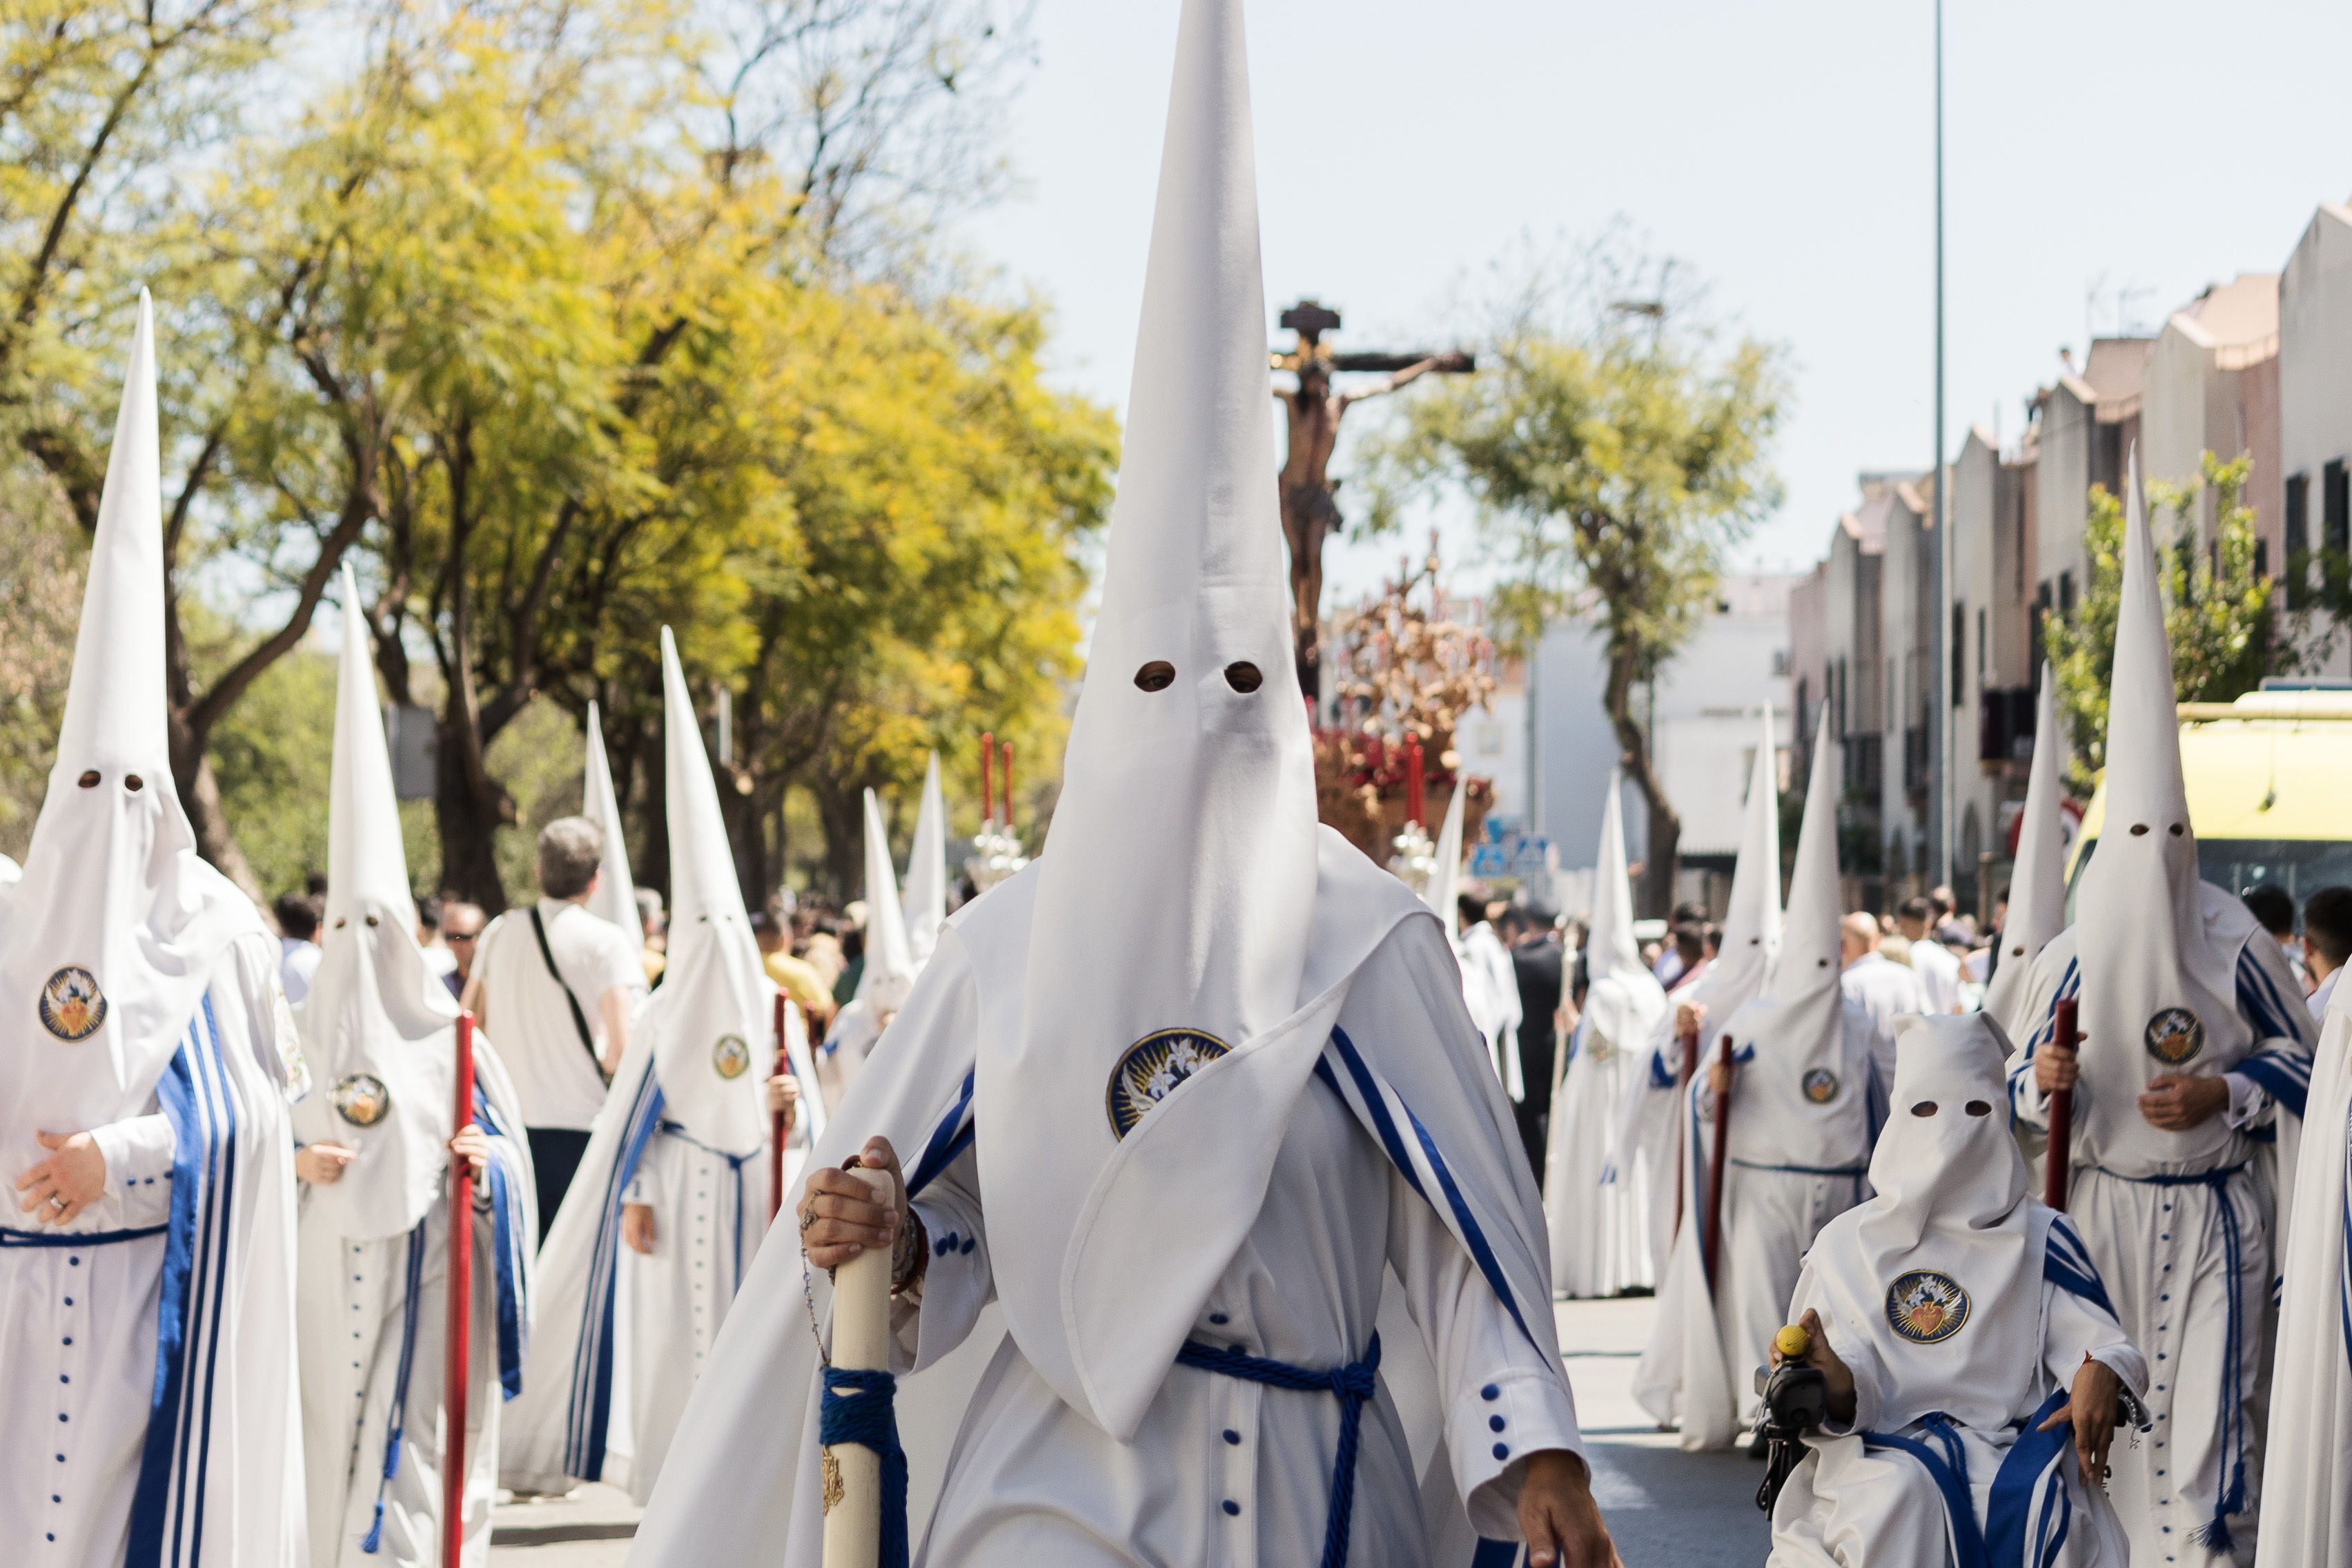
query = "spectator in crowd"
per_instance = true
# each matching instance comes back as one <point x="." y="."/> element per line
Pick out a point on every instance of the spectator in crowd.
<point x="1883" y="989"/>
<point x="1672" y="962"/>
<point x="2326" y="941"/>
<point x="555" y="986"/>
<point x="2273" y="907"/>
<point x="654" y="956"/>
<point x="1538" y="963"/>
<point x="796" y="977"/>
<point x="438" y="956"/>
<point x="461" y="928"/>
<point x="297" y="944"/>
<point x="853" y="956"/>
<point x="1938" y="970"/>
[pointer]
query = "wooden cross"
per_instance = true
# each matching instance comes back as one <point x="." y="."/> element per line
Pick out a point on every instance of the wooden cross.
<point x="1316" y="406"/>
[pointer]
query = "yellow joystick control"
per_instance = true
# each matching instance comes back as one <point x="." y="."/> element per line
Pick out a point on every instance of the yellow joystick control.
<point x="1793" y="1342"/>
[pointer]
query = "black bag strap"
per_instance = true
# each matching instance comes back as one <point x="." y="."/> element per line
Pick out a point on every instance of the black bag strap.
<point x="579" y="1018"/>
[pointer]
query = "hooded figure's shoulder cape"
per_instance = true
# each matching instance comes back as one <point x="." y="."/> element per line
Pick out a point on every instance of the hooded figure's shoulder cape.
<point x="1382" y="1023"/>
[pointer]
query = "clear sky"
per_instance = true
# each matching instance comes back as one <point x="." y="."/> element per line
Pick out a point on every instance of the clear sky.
<point x="2105" y="162"/>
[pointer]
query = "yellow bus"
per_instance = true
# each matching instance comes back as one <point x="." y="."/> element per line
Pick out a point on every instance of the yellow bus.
<point x="2270" y="791"/>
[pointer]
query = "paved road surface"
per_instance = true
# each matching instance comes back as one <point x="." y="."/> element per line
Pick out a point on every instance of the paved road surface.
<point x="1667" y="1509"/>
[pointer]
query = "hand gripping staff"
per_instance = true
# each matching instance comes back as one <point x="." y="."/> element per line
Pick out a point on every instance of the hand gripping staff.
<point x="864" y="1468"/>
<point x="2059" y="1155"/>
<point x="461" y="1310"/>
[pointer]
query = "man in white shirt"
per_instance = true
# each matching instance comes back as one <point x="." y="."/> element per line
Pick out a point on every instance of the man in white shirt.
<point x="561" y="984"/>
<point x="1933" y="964"/>
<point x="2327" y="940"/>
<point x="297" y="944"/>
<point x="1880" y="987"/>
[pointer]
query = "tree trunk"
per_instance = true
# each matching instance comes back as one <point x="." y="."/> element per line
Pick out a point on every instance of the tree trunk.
<point x="841" y="807"/>
<point x="1660" y="858"/>
<point x="469" y="807"/>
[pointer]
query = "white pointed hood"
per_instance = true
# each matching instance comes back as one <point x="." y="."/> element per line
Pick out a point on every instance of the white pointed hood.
<point x="925" y="900"/>
<point x="107" y="943"/>
<point x="1622" y="998"/>
<point x="1443" y="893"/>
<point x="889" y="972"/>
<point x="709" y="1021"/>
<point x="615" y="898"/>
<point x="2037" y="886"/>
<point x="1939" y="1272"/>
<point x="376" y="1023"/>
<point x="2157" y="995"/>
<point x="1751" y="924"/>
<point x="1797" y="1100"/>
<point x="1175" y="896"/>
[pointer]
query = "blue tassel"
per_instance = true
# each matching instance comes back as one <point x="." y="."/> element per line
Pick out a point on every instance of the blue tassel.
<point x="857" y="1407"/>
<point x="374" y="1537"/>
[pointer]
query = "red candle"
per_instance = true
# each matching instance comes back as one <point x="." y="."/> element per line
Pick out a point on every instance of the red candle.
<point x="1412" y="784"/>
<point x="1008" y="786"/>
<point x="987" y="766"/>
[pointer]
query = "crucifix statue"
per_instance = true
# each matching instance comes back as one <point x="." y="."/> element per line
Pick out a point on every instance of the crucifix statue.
<point x="1316" y="406"/>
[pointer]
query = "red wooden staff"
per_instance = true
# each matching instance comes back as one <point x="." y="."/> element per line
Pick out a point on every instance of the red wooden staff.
<point x="1007" y="746"/>
<point x="1715" y="1163"/>
<point x="987" y="766"/>
<point x="461" y="1310"/>
<point x="1689" y="1038"/>
<point x="2058" y="1157"/>
<point x="779" y="1125"/>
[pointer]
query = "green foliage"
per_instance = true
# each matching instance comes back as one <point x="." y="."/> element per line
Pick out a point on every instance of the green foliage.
<point x="41" y="565"/>
<point x="273" y="755"/>
<point x="1613" y="463"/>
<point x="2217" y="616"/>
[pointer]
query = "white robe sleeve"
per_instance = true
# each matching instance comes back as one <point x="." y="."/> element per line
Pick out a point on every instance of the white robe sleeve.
<point x="2077" y="1330"/>
<point x="1503" y="1399"/>
<point x="957" y="1284"/>
<point x="138" y="1151"/>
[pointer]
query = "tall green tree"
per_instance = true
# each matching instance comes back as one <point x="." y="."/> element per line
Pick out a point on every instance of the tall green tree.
<point x="2219" y="614"/>
<point x="1613" y="456"/>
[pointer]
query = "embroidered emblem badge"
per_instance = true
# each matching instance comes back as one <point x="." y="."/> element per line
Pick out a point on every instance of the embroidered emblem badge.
<point x="1151" y="1068"/>
<point x="1821" y="1086"/>
<point x="362" y="1100"/>
<point x="731" y="1057"/>
<point x="2175" y="1036"/>
<point x="1926" y="1306"/>
<point x="71" y="1005"/>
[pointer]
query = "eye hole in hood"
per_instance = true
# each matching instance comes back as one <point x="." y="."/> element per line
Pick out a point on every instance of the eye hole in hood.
<point x="1244" y="676"/>
<point x="1157" y="676"/>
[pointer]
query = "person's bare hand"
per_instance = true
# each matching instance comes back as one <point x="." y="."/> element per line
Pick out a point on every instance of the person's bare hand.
<point x="785" y="1097"/>
<point x="2055" y="1068"/>
<point x="1558" y="1517"/>
<point x="68" y="1182"/>
<point x="1835" y="1373"/>
<point x="322" y="1164"/>
<point x="2091" y="1405"/>
<point x="1718" y="1077"/>
<point x="1690" y="1017"/>
<point x="838" y="1217"/>
<point x="2178" y="1102"/>
<point x="474" y="1145"/>
<point x="637" y="1228"/>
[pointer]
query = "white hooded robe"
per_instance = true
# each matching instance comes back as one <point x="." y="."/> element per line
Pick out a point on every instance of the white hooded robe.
<point x="147" y="1397"/>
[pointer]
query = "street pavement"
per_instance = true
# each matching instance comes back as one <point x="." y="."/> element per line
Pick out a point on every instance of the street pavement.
<point x="1664" y="1507"/>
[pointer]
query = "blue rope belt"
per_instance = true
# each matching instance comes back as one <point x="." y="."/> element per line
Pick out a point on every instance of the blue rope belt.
<point x="397" y="1427"/>
<point x="856" y="1408"/>
<point x="76" y="1237"/>
<point x="2214" y="1535"/>
<point x="1352" y="1384"/>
